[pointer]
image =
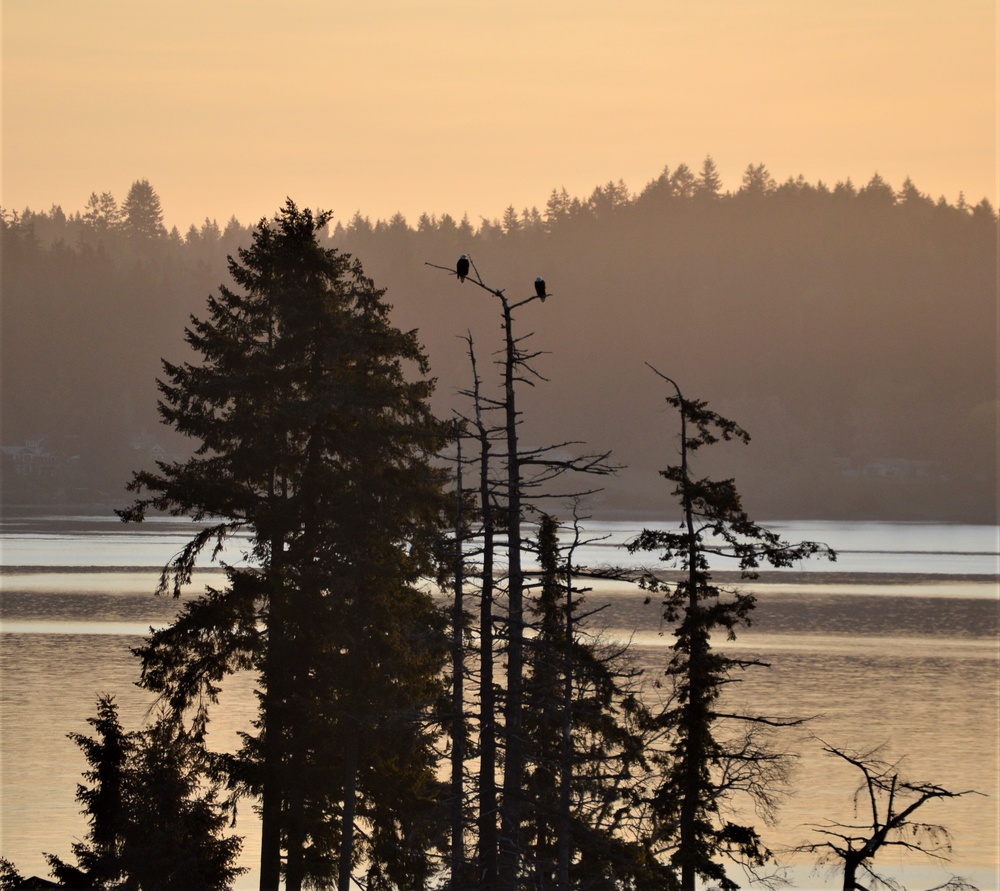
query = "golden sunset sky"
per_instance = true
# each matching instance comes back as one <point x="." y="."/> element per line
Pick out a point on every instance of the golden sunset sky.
<point x="467" y="107"/>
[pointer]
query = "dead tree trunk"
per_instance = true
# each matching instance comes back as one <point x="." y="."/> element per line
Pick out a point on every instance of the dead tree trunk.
<point x="458" y="684"/>
<point x="891" y="802"/>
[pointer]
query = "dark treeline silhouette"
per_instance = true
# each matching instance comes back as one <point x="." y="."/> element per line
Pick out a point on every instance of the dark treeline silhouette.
<point x="853" y="328"/>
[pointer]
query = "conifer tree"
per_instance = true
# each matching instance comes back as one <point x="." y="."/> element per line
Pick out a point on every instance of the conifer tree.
<point x="102" y="213"/>
<point x="708" y="183"/>
<point x="141" y="213"/>
<point x="587" y="734"/>
<point x="10" y="877"/>
<point x="155" y="822"/>
<point x="105" y="801"/>
<point x="689" y="801"/>
<point x="314" y="441"/>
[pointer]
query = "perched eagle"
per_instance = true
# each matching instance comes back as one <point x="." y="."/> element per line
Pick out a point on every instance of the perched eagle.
<point x="462" y="268"/>
<point x="540" y="287"/>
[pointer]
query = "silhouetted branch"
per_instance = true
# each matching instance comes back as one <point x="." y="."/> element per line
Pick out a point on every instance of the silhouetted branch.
<point x="891" y="823"/>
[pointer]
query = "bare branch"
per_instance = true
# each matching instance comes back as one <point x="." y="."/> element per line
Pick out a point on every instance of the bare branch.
<point x="889" y="827"/>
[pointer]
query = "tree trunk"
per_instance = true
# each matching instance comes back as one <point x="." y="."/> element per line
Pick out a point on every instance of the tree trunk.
<point x="566" y="753"/>
<point x="296" y="670"/>
<point x="347" y="828"/>
<point x="851" y="865"/>
<point x="511" y="812"/>
<point x="294" y="866"/>
<point x="695" y="717"/>
<point x="270" y="823"/>
<point x="272" y="792"/>
<point x="458" y="694"/>
<point x="488" y="841"/>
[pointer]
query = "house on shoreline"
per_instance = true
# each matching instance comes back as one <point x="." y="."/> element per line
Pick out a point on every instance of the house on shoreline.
<point x="32" y="459"/>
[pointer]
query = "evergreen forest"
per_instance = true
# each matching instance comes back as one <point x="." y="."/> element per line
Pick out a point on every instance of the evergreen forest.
<point x="851" y="327"/>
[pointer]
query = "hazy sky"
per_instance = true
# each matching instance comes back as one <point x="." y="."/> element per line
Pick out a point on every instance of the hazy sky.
<point x="448" y="106"/>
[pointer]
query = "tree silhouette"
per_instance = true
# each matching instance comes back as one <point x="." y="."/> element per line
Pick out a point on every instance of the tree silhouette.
<point x="588" y="735"/>
<point x="887" y="804"/>
<point x="525" y="471"/>
<point x="703" y="769"/>
<point x="883" y="306"/>
<point x="102" y="212"/>
<point x="142" y="216"/>
<point x="709" y="183"/>
<point x="10" y="877"/>
<point x="155" y="822"/>
<point x="314" y="440"/>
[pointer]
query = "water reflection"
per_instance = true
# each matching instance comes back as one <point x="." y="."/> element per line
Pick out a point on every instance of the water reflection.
<point x="934" y="702"/>
<point x="913" y="662"/>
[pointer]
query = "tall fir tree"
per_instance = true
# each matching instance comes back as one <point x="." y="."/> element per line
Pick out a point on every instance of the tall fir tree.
<point x="141" y="214"/>
<point x="313" y="439"/>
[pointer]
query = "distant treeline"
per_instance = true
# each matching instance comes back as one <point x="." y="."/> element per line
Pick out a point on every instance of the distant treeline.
<point x="851" y="330"/>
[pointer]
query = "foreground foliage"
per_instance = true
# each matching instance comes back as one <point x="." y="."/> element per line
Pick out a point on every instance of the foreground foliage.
<point x="155" y="821"/>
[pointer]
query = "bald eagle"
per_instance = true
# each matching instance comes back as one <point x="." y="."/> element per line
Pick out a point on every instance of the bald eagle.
<point x="462" y="268"/>
<point x="540" y="287"/>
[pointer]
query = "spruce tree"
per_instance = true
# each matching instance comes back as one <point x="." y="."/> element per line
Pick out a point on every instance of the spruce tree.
<point x="105" y="802"/>
<point x="313" y="440"/>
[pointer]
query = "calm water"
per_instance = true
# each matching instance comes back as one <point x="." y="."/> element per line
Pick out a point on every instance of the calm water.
<point x="908" y="655"/>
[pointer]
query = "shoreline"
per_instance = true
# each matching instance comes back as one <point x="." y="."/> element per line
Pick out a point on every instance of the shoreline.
<point x="729" y="577"/>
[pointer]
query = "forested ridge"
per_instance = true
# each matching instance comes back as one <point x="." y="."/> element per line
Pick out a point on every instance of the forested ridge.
<point x="852" y="330"/>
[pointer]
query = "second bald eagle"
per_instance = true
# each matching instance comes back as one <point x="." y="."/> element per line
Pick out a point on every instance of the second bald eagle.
<point x="462" y="268"/>
<point x="540" y="288"/>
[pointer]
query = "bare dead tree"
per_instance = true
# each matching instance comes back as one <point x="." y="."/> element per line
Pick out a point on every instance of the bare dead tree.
<point x="486" y="781"/>
<point x="458" y="728"/>
<point x="515" y="366"/>
<point x="885" y="804"/>
<point x="526" y="472"/>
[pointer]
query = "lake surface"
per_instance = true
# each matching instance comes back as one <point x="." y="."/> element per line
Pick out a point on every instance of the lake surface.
<point x="895" y="642"/>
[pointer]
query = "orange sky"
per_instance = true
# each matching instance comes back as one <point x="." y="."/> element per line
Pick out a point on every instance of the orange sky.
<point x="466" y="107"/>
